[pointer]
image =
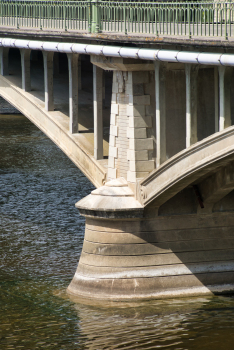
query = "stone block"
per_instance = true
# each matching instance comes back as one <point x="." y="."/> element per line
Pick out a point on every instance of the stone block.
<point x="113" y="98"/>
<point x="139" y="110"/>
<point x="149" y="89"/>
<point x="140" y="77"/>
<point x="113" y="119"/>
<point x="130" y="100"/>
<point x="114" y="108"/>
<point x="138" y="89"/>
<point x="112" y="141"/>
<point x="111" y="162"/>
<point x="112" y="173"/>
<point x="150" y="110"/>
<point x="141" y="100"/>
<point x="115" y="87"/>
<point x="113" y="130"/>
<point x="137" y="133"/>
<point x="130" y="110"/>
<point x="137" y="155"/>
<point x="128" y="89"/>
<point x="132" y="176"/>
<point x="141" y="144"/>
<point x="113" y="152"/>
<point x="140" y="122"/>
<point x="141" y="165"/>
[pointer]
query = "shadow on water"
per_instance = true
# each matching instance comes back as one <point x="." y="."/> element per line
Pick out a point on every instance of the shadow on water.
<point x="41" y="236"/>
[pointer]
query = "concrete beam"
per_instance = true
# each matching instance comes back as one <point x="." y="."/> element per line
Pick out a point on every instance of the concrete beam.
<point x="191" y="104"/>
<point x="97" y="110"/>
<point x="4" y="60"/>
<point x="224" y="97"/>
<point x="48" y="80"/>
<point x="73" y="92"/>
<point x="160" y="114"/>
<point x="25" y="68"/>
<point x="215" y="187"/>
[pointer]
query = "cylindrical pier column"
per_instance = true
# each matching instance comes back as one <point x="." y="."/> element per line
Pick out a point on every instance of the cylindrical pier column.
<point x="25" y="67"/>
<point x="191" y="104"/>
<point x="73" y="92"/>
<point x="97" y="111"/>
<point x="48" y="80"/>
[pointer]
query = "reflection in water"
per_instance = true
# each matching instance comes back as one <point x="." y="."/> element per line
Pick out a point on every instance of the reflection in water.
<point x="41" y="237"/>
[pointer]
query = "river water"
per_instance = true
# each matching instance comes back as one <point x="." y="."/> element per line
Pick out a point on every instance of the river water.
<point x="41" y="235"/>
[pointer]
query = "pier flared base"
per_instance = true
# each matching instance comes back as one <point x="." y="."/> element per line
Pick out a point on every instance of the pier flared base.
<point x="164" y="257"/>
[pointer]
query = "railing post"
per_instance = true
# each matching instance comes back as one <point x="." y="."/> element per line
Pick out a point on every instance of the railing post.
<point x="90" y="17"/>
<point x="95" y="26"/>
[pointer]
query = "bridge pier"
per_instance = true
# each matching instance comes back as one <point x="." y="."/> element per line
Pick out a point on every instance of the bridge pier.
<point x="135" y="248"/>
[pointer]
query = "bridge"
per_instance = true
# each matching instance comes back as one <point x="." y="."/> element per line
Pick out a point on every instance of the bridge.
<point x="139" y="97"/>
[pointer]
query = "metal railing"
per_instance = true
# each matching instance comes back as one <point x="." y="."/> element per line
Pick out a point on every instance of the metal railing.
<point x="206" y="18"/>
<point x="66" y="15"/>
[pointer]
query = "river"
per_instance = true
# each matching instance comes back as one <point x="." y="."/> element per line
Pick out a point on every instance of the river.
<point x="41" y="236"/>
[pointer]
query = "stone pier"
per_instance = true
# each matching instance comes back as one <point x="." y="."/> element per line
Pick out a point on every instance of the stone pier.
<point x="162" y="225"/>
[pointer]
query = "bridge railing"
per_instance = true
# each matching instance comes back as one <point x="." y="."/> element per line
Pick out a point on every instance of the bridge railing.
<point x="67" y="15"/>
<point x="206" y="18"/>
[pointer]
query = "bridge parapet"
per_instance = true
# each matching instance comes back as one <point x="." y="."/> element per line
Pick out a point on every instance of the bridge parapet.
<point x="170" y="18"/>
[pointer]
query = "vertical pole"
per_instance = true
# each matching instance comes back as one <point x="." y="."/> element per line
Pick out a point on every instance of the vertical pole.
<point x="48" y="80"/>
<point x="224" y="97"/>
<point x="97" y="109"/>
<point x="73" y="92"/>
<point x="4" y="60"/>
<point x="191" y="104"/>
<point x="25" y="68"/>
<point x="216" y="98"/>
<point x="160" y="114"/>
<point x="79" y="74"/>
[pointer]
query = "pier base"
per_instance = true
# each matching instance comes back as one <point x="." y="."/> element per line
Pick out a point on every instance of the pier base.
<point x="129" y="255"/>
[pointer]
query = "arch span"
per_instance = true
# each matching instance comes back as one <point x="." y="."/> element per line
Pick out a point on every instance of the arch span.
<point x="56" y="126"/>
<point x="186" y="167"/>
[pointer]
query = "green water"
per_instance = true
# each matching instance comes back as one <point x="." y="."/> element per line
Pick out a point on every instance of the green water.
<point x="41" y="235"/>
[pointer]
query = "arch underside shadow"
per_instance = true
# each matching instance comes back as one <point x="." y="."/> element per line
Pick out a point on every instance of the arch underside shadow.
<point x="187" y="168"/>
<point x="56" y="126"/>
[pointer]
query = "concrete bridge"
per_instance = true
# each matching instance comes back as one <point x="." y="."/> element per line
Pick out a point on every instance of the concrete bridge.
<point x="159" y="152"/>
